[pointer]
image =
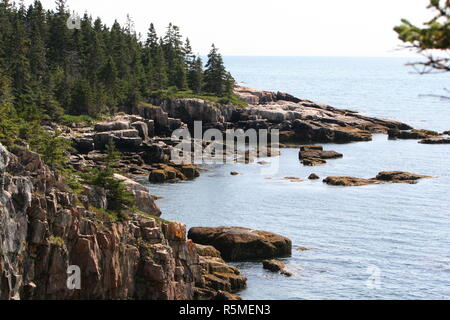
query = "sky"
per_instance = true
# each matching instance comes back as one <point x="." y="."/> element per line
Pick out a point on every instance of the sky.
<point x="270" y="27"/>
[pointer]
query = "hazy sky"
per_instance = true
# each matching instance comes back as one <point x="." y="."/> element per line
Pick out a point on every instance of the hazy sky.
<point x="270" y="27"/>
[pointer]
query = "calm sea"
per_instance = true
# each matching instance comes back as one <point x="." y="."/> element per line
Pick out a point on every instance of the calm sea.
<point x="373" y="242"/>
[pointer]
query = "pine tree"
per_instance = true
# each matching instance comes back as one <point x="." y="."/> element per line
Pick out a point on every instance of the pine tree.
<point x="117" y="195"/>
<point x="174" y="55"/>
<point x="187" y="51"/>
<point x="20" y="68"/>
<point x="37" y="34"/>
<point x="195" y="75"/>
<point x="82" y="99"/>
<point x="215" y="75"/>
<point x="52" y="147"/>
<point x="109" y="78"/>
<point x="58" y="34"/>
<point x="9" y="128"/>
<point x="160" y="72"/>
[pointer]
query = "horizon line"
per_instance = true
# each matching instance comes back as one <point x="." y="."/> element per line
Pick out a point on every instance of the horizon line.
<point x="316" y="56"/>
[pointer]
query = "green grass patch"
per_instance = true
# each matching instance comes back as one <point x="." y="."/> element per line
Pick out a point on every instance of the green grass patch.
<point x="144" y="214"/>
<point x="106" y="215"/>
<point x="147" y="105"/>
<point x="56" y="241"/>
<point x="170" y="94"/>
<point x="68" y="119"/>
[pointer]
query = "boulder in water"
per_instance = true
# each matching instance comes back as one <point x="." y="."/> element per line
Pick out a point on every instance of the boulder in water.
<point x="242" y="244"/>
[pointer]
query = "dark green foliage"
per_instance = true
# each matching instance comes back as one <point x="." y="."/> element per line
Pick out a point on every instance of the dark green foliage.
<point x="52" y="147"/>
<point x="118" y="197"/>
<point x="82" y="101"/>
<point x="434" y="35"/>
<point x="9" y="125"/>
<point x="195" y="74"/>
<point x="55" y="70"/>
<point x="174" y="54"/>
<point x="217" y="79"/>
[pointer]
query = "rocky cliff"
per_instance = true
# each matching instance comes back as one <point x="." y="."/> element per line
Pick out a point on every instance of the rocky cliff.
<point x="45" y="228"/>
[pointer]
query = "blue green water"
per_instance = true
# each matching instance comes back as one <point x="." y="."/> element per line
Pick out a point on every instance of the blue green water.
<point x="374" y="242"/>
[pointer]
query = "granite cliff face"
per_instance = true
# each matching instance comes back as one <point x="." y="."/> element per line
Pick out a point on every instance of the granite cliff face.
<point x="45" y="228"/>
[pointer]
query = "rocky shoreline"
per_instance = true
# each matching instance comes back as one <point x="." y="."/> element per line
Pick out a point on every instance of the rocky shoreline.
<point x="144" y="137"/>
<point x="45" y="227"/>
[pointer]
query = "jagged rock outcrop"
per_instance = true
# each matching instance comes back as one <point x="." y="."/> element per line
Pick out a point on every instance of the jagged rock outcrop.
<point x="45" y="228"/>
<point x="242" y="244"/>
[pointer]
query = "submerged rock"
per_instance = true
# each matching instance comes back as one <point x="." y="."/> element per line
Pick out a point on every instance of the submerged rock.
<point x="435" y="141"/>
<point x="313" y="176"/>
<point x="273" y="265"/>
<point x="411" y="134"/>
<point x="400" y="177"/>
<point x="293" y="179"/>
<point x="276" y="266"/>
<point x="382" y="177"/>
<point x="348" y="181"/>
<point x="242" y="244"/>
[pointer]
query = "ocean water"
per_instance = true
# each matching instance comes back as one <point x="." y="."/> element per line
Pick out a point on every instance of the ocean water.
<point x="386" y="241"/>
<point x="381" y="87"/>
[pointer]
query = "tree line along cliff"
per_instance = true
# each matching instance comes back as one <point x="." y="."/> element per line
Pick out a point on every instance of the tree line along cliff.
<point x="48" y="69"/>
